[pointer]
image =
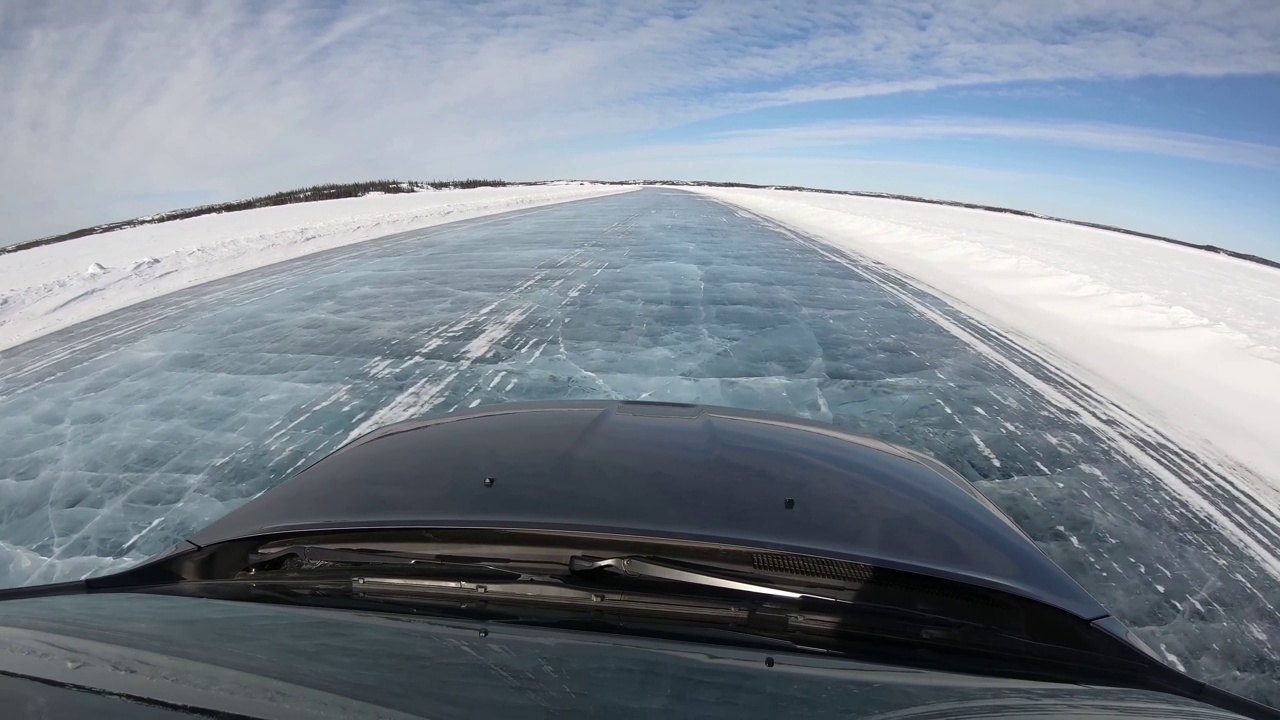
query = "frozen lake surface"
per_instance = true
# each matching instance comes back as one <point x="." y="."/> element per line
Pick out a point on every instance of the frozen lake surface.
<point x="127" y="432"/>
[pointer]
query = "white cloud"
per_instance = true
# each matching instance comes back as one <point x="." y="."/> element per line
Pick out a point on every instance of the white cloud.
<point x="1102" y="136"/>
<point x="106" y="106"/>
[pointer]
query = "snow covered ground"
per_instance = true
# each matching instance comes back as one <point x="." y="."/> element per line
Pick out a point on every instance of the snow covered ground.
<point x="1190" y="340"/>
<point x="52" y="287"/>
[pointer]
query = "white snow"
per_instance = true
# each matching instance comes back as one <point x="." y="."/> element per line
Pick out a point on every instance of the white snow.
<point x="48" y="288"/>
<point x="1189" y="340"/>
<point x="1172" y="659"/>
<point x="982" y="448"/>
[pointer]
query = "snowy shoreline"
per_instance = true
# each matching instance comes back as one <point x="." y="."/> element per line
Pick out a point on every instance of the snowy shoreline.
<point x="49" y="288"/>
<point x="1188" y="338"/>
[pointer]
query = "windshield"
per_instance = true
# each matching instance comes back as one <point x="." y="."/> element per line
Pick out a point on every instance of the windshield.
<point x="1033" y="242"/>
<point x="264" y="660"/>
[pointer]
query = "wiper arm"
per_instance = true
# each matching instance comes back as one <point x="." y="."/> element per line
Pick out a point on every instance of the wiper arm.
<point x="542" y="591"/>
<point x="311" y="556"/>
<point x="315" y="555"/>
<point x="651" y="569"/>
<point x="554" y="590"/>
<point x="479" y="578"/>
<point x="638" y="567"/>
<point x="560" y="591"/>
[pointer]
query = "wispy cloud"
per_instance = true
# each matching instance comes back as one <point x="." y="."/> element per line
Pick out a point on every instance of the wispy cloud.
<point x="1101" y="136"/>
<point x="102" y="103"/>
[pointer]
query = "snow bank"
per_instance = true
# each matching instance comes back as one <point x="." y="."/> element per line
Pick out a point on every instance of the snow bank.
<point x="52" y="287"/>
<point x="1187" y="338"/>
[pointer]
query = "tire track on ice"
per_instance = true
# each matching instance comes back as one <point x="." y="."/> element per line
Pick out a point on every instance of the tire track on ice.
<point x="479" y="333"/>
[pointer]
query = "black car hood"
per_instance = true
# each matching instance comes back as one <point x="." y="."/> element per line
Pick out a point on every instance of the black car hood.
<point x="670" y="471"/>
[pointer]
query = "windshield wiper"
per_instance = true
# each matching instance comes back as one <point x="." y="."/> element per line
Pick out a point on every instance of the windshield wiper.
<point x="543" y="591"/>
<point x="302" y="557"/>
<point x="630" y="582"/>
<point x="306" y="557"/>
<point x="572" y="586"/>
<point x="638" y="567"/>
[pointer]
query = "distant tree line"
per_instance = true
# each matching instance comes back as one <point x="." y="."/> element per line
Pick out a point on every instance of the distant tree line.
<point x="334" y="191"/>
<point x="328" y="191"/>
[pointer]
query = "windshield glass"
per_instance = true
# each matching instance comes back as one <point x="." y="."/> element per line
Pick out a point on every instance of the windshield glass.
<point x="265" y="660"/>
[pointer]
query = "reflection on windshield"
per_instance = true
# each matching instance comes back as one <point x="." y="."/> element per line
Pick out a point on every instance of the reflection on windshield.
<point x="258" y="659"/>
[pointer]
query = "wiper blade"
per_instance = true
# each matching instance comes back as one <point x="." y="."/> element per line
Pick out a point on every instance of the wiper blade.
<point x="428" y="574"/>
<point x="542" y="591"/>
<point x="847" y="614"/>
<point x="638" y="567"/>
<point x="760" y="612"/>
<point x="313" y="556"/>
<point x="560" y="588"/>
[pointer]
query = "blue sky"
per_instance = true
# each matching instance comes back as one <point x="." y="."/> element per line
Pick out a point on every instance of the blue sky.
<point x="1158" y="116"/>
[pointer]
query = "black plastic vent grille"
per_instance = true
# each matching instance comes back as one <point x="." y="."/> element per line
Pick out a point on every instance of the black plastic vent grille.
<point x="813" y="567"/>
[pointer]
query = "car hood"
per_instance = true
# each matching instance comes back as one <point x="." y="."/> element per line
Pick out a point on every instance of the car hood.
<point x="671" y="471"/>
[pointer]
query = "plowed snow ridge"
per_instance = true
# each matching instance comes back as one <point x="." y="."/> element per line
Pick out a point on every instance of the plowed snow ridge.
<point x="1187" y="339"/>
